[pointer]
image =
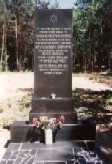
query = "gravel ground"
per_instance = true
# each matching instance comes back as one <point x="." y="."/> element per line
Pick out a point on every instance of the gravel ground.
<point x="12" y="85"/>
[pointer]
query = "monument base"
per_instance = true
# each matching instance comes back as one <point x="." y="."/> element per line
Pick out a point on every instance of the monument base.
<point x="22" y="131"/>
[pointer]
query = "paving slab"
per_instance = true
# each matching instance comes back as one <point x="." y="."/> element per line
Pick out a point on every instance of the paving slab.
<point x="57" y="153"/>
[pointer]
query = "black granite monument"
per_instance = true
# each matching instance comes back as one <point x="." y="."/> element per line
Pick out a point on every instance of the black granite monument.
<point x="53" y="64"/>
<point x="53" y="79"/>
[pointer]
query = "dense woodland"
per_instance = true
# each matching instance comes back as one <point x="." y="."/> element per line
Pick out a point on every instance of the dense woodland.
<point x="92" y="34"/>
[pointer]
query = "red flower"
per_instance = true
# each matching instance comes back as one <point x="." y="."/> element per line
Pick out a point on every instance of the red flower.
<point x="59" y="124"/>
<point x="35" y="121"/>
<point x="44" y="122"/>
<point x="62" y="119"/>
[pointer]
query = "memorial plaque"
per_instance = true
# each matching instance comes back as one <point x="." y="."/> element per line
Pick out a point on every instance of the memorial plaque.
<point x="53" y="61"/>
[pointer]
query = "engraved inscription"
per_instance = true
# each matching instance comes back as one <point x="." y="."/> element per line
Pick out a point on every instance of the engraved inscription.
<point x="53" y="46"/>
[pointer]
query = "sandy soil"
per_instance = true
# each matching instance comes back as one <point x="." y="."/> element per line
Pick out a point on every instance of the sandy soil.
<point x="83" y="82"/>
<point x="13" y="85"/>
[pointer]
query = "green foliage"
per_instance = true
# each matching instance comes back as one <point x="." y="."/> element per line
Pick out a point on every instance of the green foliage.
<point x="12" y="110"/>
<point x="25" y="103"/>
<point x="43" y="4"/>
<point x="92" y="44"/>
<point x="17" y="36"/>
<point x="96" y="105"/>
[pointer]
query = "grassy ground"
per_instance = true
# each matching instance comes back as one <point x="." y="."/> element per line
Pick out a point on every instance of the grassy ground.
<point x="14" y="109"/>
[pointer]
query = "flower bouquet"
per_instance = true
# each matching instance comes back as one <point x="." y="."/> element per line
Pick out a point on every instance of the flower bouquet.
<point x="49" y="125"/>
<point x="44" y="122"/>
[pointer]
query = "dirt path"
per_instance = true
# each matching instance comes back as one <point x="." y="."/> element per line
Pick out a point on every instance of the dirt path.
<point x="16" y="85"/>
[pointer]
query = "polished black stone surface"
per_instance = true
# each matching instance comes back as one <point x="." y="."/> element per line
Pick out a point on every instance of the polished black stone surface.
<point x="53" y="61"/>
<point x="62" y="105"/>
<point x="22" y="131"/>
<point x="57" y="153"/>
<point x="53" y="64"/>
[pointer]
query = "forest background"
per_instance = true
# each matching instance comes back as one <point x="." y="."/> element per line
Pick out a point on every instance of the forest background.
<point x="92" y="34"/>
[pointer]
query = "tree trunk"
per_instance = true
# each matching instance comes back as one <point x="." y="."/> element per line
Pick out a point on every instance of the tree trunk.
<point x="3" y="44"/>
<point x="17" y="45"/>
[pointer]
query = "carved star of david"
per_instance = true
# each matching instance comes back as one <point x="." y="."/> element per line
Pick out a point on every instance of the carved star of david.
<point x="53" y="18"/>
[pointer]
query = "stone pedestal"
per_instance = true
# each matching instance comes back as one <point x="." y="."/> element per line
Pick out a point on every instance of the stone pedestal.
<point x="53" y="108"/>
<point x="22" y="131"/>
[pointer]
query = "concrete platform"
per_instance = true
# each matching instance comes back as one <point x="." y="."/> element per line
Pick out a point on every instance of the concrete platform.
<point x="57" y="153"/>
